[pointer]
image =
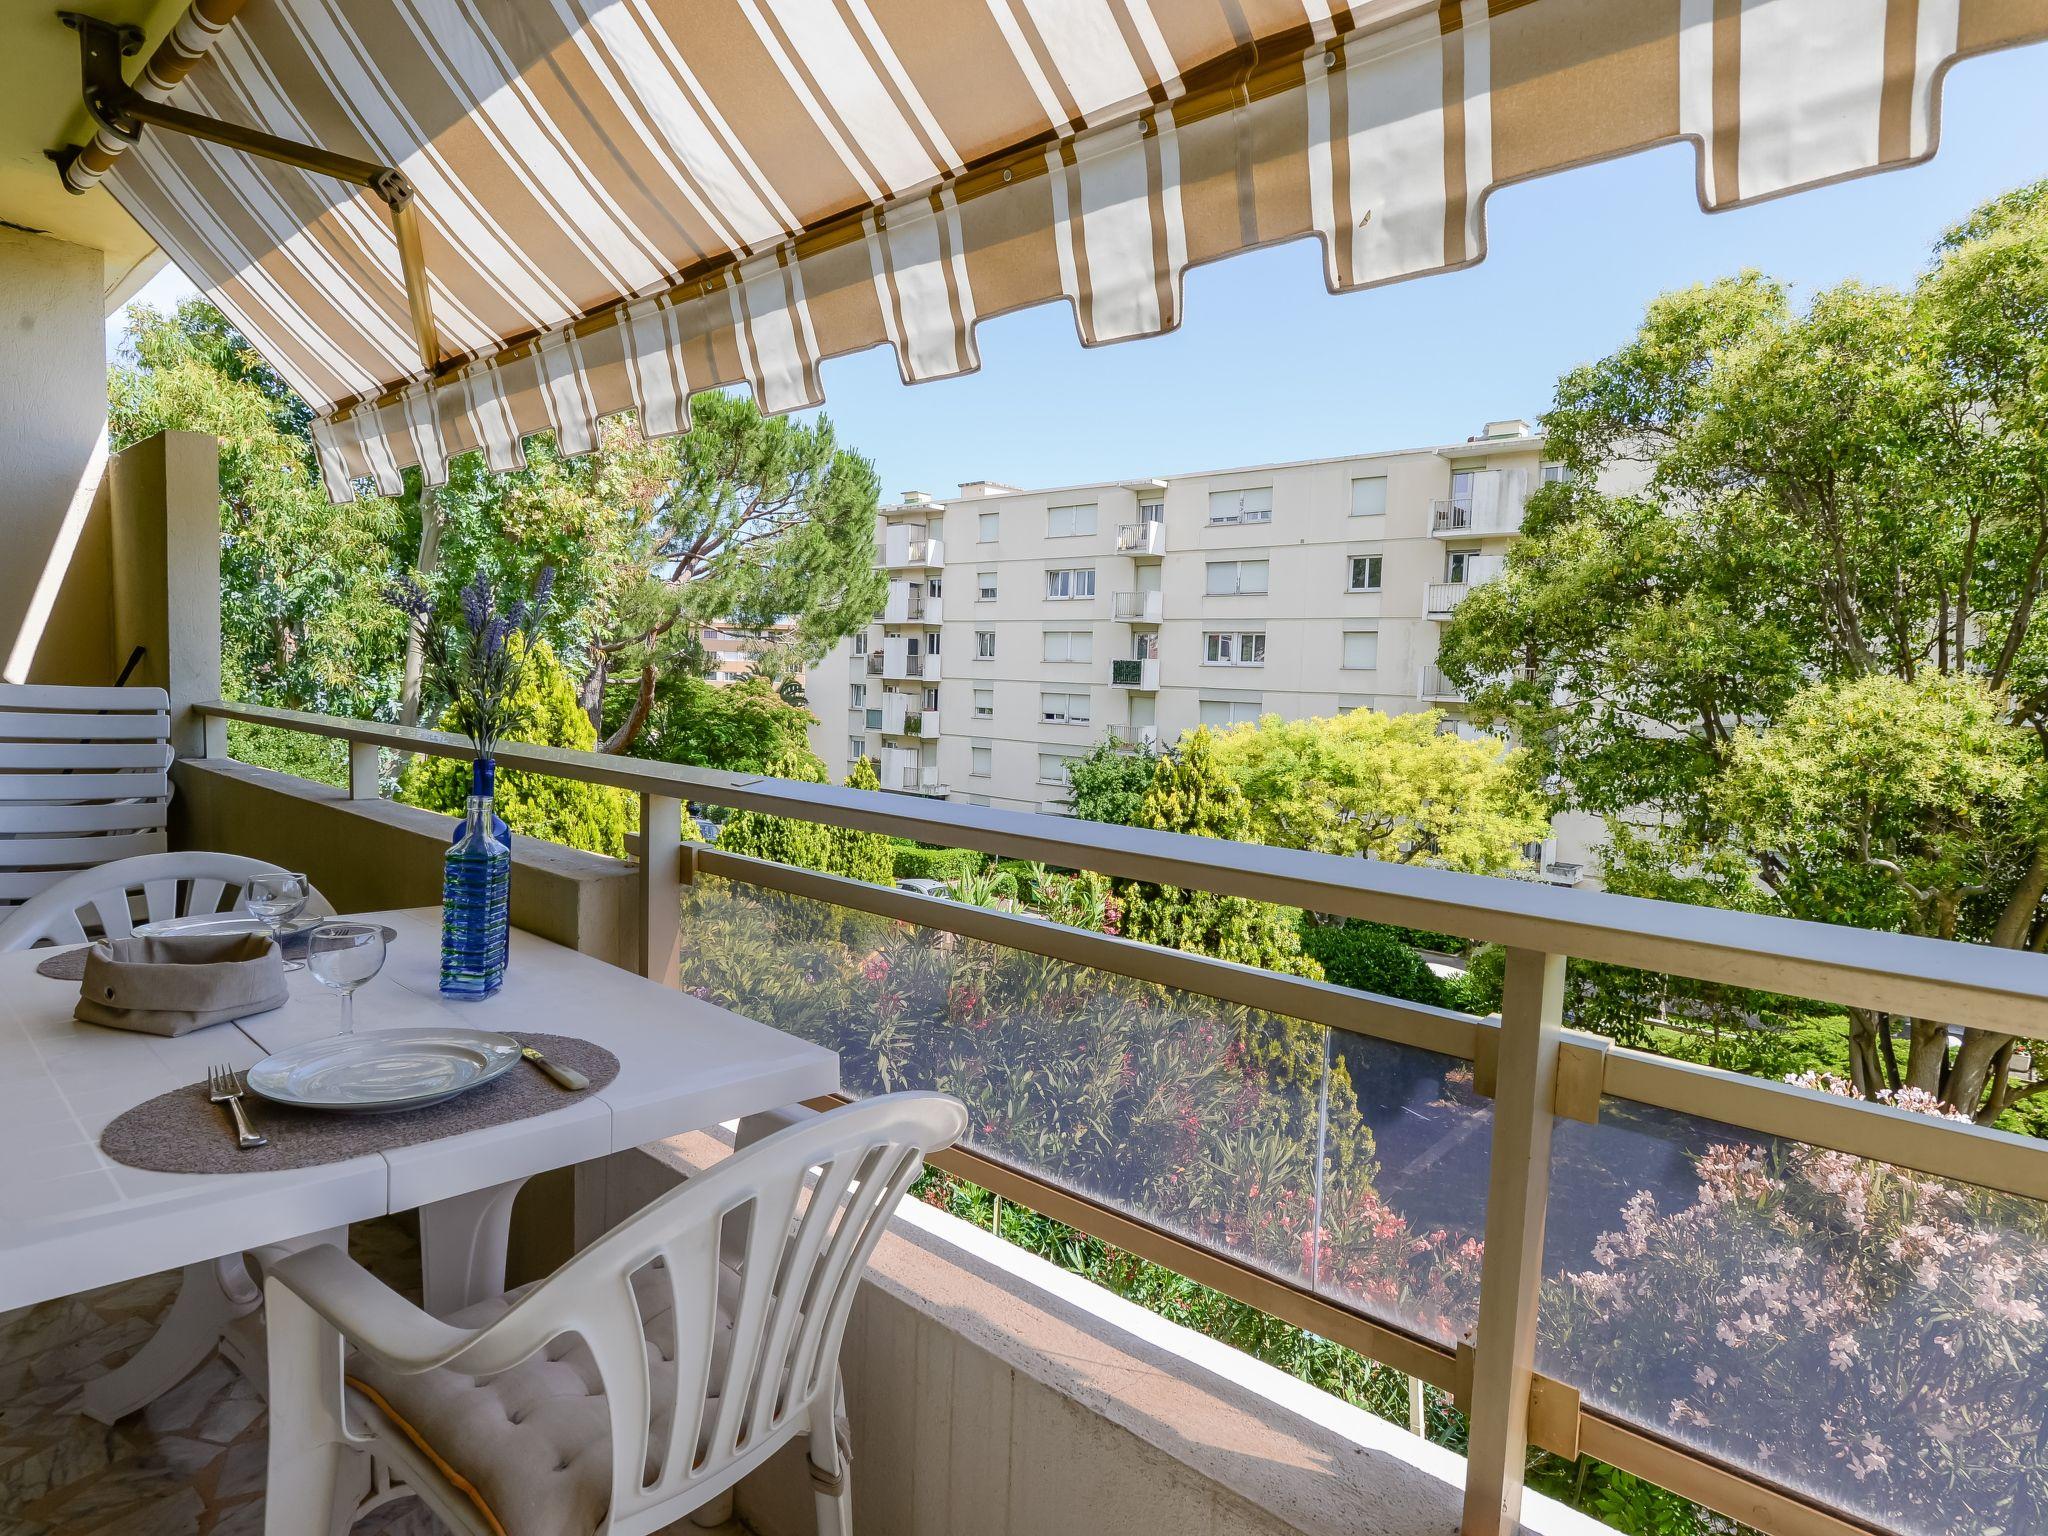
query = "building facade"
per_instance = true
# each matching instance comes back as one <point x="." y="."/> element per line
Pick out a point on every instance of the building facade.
<point x="1023" y="626"/>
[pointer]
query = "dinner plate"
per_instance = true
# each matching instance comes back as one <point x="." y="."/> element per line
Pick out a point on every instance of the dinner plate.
<point x="384" y="1070"/>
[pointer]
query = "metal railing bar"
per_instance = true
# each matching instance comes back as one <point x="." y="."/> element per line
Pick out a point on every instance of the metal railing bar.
<point x="1393" y="1347"/>
<point x="1927" y="978"/>
<point x="1730" y="1491"/>
<point x="1947" y="1149"/>
<point x="1295" y="997"/>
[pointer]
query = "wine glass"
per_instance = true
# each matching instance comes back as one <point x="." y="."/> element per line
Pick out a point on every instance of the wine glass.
<point x="274" y="899"/>
<point x="343" y="956"/>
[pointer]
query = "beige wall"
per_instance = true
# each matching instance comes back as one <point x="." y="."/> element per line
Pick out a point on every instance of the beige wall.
<point x="53" y="444"/>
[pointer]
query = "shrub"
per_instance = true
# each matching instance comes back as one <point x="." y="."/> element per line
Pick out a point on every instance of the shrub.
<point x="915" y="863"/>
<point x="1370" y="957"/>
<point x="542" y="710"/>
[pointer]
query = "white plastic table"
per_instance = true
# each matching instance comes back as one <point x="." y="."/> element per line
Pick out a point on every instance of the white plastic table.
<point x="72" y="1220"/>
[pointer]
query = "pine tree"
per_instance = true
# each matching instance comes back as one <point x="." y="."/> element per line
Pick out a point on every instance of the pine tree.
<point x="1190" y="794"/>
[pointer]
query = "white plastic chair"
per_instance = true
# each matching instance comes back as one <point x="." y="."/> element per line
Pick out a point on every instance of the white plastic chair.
<point x="104" y="900"/>
<point x="84" y="779"/>
<point x="638" y="1382"/>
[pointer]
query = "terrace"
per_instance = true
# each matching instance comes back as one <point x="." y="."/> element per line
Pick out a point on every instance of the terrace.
<point x="1504" y="1210"/>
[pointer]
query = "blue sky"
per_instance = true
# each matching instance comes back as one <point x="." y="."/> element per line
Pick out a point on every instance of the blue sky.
<point x="1268" y="366"/>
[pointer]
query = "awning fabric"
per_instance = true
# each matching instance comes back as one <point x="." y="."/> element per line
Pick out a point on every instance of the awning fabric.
<point x="626" y="201"/>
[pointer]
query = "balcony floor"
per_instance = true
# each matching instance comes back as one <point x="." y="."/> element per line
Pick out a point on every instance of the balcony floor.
<point x="192" y="1462"/>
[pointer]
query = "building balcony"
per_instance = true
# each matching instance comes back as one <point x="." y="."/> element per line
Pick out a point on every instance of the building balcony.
<point x="1141" y="541"/>
<point x="874" y="663"/>
<point x="1140" y="607"/>
<point x="901" y="666"/>
<point x="904" y="606"/>
<point x="1440" y="599"/>
<point x="910" y="549"/>
<point x="904" y="714"/>
<point x="1492" y="508"/>
<point x="1435" y="687"/>
<point x="1135" y="672"/>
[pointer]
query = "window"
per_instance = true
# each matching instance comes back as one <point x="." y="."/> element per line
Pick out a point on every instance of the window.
<point x="984" y="703"/>
<point x="856" y="748"/>
<point x="1226" y="712"/>
<point x="989" y="527"/>
<point x="1458" y="565"/>
<point x="1052" y="767"/>
<point x="984" y="645"/>
<point x="931" y="642"/>
<point x="860" y="695"/>
<point x="1070" y="645"/>
<point x="1229" y="577"/>
<point x="1234" y="648"/>
<point x="1151" y="511"/>
<point x="931" y="698"/>
<point x="1361" y="649"/>
<point x="1253" y="505"/>
<point x="1555" y="474"/>
<point x="981" y="758"/>
<point x="1369" y="496"/>
<point x="1069" y="522"/>
<point x="1078" y="581"/>
<point x="1365" y="574"/>
<point x="1063" y="708"/>
<point x="985" y="587"/>
<point x="860" y="642"/>
<point x="934" y="586"/>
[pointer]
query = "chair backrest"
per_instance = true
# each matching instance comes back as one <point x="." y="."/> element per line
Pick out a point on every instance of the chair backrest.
<point x="104" y="900"/>
<point x="84" y="779"/>
<point x="797" y="1275"/>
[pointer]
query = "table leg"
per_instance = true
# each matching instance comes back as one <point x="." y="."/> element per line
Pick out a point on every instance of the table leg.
<point x="462" y="1247"/>
<point x="211" y="1295"/>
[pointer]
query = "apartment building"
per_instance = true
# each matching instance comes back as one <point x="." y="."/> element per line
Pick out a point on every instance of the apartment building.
<point x="1022" y="626"/>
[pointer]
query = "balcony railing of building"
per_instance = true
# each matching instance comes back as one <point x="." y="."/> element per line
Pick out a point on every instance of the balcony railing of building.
<point x="1134" y="672"/>
<point x="1435" y="685"/>
<point x="1450" y="516"/>
<point x="1147" y="539"/>
<point x="1492" y="508"/>
<point x="904" y="606"/>
<point x="1140" y="607"/>
<point x="874" y="663"/>
<point x="1708" y="1349"/>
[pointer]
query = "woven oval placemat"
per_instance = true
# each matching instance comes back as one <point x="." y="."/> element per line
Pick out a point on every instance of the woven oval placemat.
<point x="184" y="1132"/>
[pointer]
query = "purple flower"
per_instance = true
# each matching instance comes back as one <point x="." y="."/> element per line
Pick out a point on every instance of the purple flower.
<point x="476" y="604"/>
<point x="406" y="595"/>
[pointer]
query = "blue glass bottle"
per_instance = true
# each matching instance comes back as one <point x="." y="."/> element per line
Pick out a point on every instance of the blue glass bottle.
<point x="476" y="889"/>
<point x="484" y="771"/>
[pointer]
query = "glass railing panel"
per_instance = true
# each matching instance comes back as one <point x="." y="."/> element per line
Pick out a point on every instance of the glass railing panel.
<point x="1872" y="1338"/>
<point x="1226" y="1125"/>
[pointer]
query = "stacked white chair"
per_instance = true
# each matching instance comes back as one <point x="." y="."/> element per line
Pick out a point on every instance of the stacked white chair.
<point x="107" y="901"/>
<point x="84" y="780"/>
<point x="637" y="1383"/>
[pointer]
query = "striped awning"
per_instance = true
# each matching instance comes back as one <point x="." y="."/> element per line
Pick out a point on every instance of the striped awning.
<point x="627" y="201"/>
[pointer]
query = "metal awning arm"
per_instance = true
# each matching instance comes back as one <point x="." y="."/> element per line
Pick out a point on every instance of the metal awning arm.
<point x="122" y="111"/>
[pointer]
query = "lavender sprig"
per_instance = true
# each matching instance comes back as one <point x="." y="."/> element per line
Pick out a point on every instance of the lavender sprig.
<point x="476" y="662"/>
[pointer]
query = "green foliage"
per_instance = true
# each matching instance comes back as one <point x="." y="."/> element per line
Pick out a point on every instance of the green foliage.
<point x="542" y="710"/>
<point x="1781" y="626"/>
<point x="914" y="863"/>
<point x="868" y="856"/>
<point x="1390" y="787"/>
<point x="1372" y="958"/>
<point x="1109" y="783"/>
<point x="1486" y="975"/>
<point x="785" y="839"/>
<point x="1190" y="793"/>
<point x="741" y="727"/>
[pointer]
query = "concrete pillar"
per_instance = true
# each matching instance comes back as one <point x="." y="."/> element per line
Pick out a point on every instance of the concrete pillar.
<point x="165" y="520"/>
<point x="53" y="446"/>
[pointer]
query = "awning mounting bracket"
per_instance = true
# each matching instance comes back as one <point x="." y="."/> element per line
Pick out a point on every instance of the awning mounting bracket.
<point x="122" y="112"/>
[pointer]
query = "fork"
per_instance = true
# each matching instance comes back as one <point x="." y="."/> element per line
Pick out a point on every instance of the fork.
<point x="224" y="1087"/>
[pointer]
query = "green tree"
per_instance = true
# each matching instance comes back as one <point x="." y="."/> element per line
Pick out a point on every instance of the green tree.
<point x="544" y="712"/>
<point x="1766" y="508"/>
<point x="785" y="839"/>
<point x="1190" y="793"/>
<point x="1109" y="783"/>
<point x="868" y="856"/>
<point x="1390" y="787"/>
<point x="740" y="727"/>
<point x="1372" y="958"/>
<point x="304" y="623"/>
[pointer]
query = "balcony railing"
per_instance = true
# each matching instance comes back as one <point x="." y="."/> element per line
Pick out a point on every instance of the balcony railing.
<point x="875" y="660"/>
<point x="1450" y="516"/>
<point x="1134" y="672"/>
<point x="1436" y="685"/>
<point x="1146" y="540"/>
<point x="1792" y="1254"/>
<point x="1140" y="607"/>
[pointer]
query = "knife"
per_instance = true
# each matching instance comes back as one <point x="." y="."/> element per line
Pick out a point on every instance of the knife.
<point x="568" y="1077"/>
